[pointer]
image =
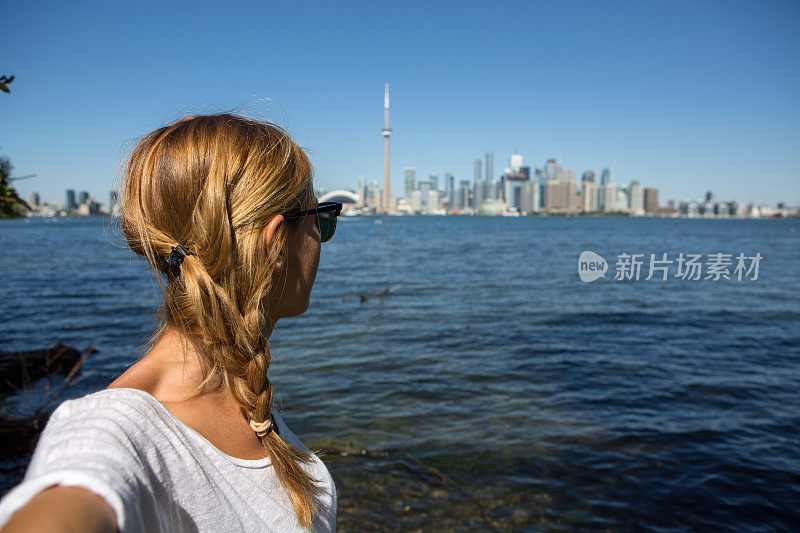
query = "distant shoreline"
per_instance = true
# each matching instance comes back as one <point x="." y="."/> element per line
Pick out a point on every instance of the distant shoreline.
<point x="544" y="215"/>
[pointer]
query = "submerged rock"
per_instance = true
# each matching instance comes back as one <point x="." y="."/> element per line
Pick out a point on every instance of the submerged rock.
<point x="20" y="369"/>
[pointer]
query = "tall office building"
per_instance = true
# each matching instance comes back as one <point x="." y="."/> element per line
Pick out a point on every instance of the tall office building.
<point x="559" y="196"/>
<point x="433" y="200"/>
<point x="550" y="169"/>
<point x="491" y="188"/>
<point x="651" y="200"/>
<point x="372" y="199"/>
<point x="562" y="173"/>
<point x="607" y="197"/>
<point x="410" y="173"/>
<point x="478" y="190"/>
<point x="386" y="203"/>
<point x="70" y="200"/>
<point x="34" y="199"/>
<point x="449" y="183"/>
<point x="489" y="166"/>
<point x="605" y="176"/>
<point x="83" y="196"/>
<point x="477" y="185"/>
<point x="623" y="199"/>
<point x="515" y="161"/>
<point x="416" y="200"/>
<point x="425" y="187"/>
<point x="529" y="202"/>
<point x="463" y="194"/>
<point x="589" y="175"/>
<point x="636" y="198"/>
<point x="434" y="178"/>
<point x="362" y="193"/>
<point x="512" y="189"/>
<point x="588" y="195"/>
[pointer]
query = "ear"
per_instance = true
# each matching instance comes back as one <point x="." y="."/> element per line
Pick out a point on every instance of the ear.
<point x="269" y="233"/>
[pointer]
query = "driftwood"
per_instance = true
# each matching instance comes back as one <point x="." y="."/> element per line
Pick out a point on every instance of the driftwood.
<point x="20" y="369"/>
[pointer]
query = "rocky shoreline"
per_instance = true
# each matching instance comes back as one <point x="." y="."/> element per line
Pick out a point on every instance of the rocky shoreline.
<point x="20" y="369"/>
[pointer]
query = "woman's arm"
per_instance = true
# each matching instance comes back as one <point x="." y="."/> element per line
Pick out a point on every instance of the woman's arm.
<point x="63" y="510"/>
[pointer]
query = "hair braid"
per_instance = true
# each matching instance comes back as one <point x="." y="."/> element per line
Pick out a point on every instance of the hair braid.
<point x="212" y="183"/>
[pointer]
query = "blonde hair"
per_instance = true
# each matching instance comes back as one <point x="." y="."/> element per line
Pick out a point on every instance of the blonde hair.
<point x="212" y="183"/>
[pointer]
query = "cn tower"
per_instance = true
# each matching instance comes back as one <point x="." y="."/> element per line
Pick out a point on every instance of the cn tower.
<point x="386" y="132"/>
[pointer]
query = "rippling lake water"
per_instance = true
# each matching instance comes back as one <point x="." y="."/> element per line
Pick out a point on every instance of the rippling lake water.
<point x="491" y="389"/>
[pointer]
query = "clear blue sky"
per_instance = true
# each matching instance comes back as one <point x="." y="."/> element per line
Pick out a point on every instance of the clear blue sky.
<point x="684" y="96"/>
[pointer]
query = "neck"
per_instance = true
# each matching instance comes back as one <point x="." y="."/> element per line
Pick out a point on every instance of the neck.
<point x="179" y="369"/>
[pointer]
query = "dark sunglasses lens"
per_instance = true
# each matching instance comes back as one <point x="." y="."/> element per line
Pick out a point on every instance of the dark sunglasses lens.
<point x="326" y="223"/>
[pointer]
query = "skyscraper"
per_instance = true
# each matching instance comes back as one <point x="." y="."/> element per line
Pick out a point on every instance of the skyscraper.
<point x="623" y="200"/>
<point x="434" y="181"/>
<point x="425" y="188"/>
<point x="529" y="202"/>
<point x="477" y="193"/>
<point x="410" y="178"/>
<point x="636" y="198"/>
<point x="605" y="177"/>
<point x="416" y="201"/>
<point x="607" y="197"/>
<point x="558" y="196"/>
<point x="489" y="166"/>
<point x="386" y="132"/>
<point x="550" y="169"/>
<point x="463" y="194"/>
<point x="477" y="185"/>
<point x="588" y="195"/>
<point x="433" y="200"/>
<point x="515" y="162"/>
<point x="362" y="193"/>
<point x="70" y="200"/>
<point x="651" y="200"/>
<point x="450" y="184"/>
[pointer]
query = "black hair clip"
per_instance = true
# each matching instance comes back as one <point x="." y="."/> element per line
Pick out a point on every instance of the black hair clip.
<point x="175" y="257"/>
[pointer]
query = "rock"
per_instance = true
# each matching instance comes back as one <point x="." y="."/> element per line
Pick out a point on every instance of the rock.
<point x="19" y="369"/>
<point x="18" y="436"/>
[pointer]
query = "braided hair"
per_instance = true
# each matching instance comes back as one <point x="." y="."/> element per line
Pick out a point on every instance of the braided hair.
<point x="209" y="185"/>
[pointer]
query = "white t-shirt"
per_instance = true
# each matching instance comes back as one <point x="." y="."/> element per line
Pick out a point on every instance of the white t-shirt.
<point x="158" y="474"/>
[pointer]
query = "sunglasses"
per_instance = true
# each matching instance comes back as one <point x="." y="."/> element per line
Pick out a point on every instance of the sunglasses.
<point x="327" y="214"/>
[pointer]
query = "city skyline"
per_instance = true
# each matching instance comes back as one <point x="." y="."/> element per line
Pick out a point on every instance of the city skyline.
<point x="550" y="189"/>
<point x="520" y="189"/>
<point x="681" y="94"/>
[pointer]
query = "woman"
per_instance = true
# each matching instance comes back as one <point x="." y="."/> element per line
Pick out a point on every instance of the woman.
<point x="187" y="439"/>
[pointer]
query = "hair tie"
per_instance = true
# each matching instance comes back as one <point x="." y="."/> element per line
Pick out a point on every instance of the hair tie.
<point x="175" y="257"/>
<point x="262" y="429"/>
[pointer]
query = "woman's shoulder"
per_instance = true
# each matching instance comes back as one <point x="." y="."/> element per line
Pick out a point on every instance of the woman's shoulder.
<point x="119" y="403"/>
<point x="101" y="442"/>
<point x="119" y="415"/>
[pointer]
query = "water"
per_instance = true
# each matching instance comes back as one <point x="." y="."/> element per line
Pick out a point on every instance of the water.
<point x="492" y="389"/>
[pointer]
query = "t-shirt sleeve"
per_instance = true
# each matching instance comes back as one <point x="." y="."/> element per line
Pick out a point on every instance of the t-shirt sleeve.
<point x="83" y="446"/>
